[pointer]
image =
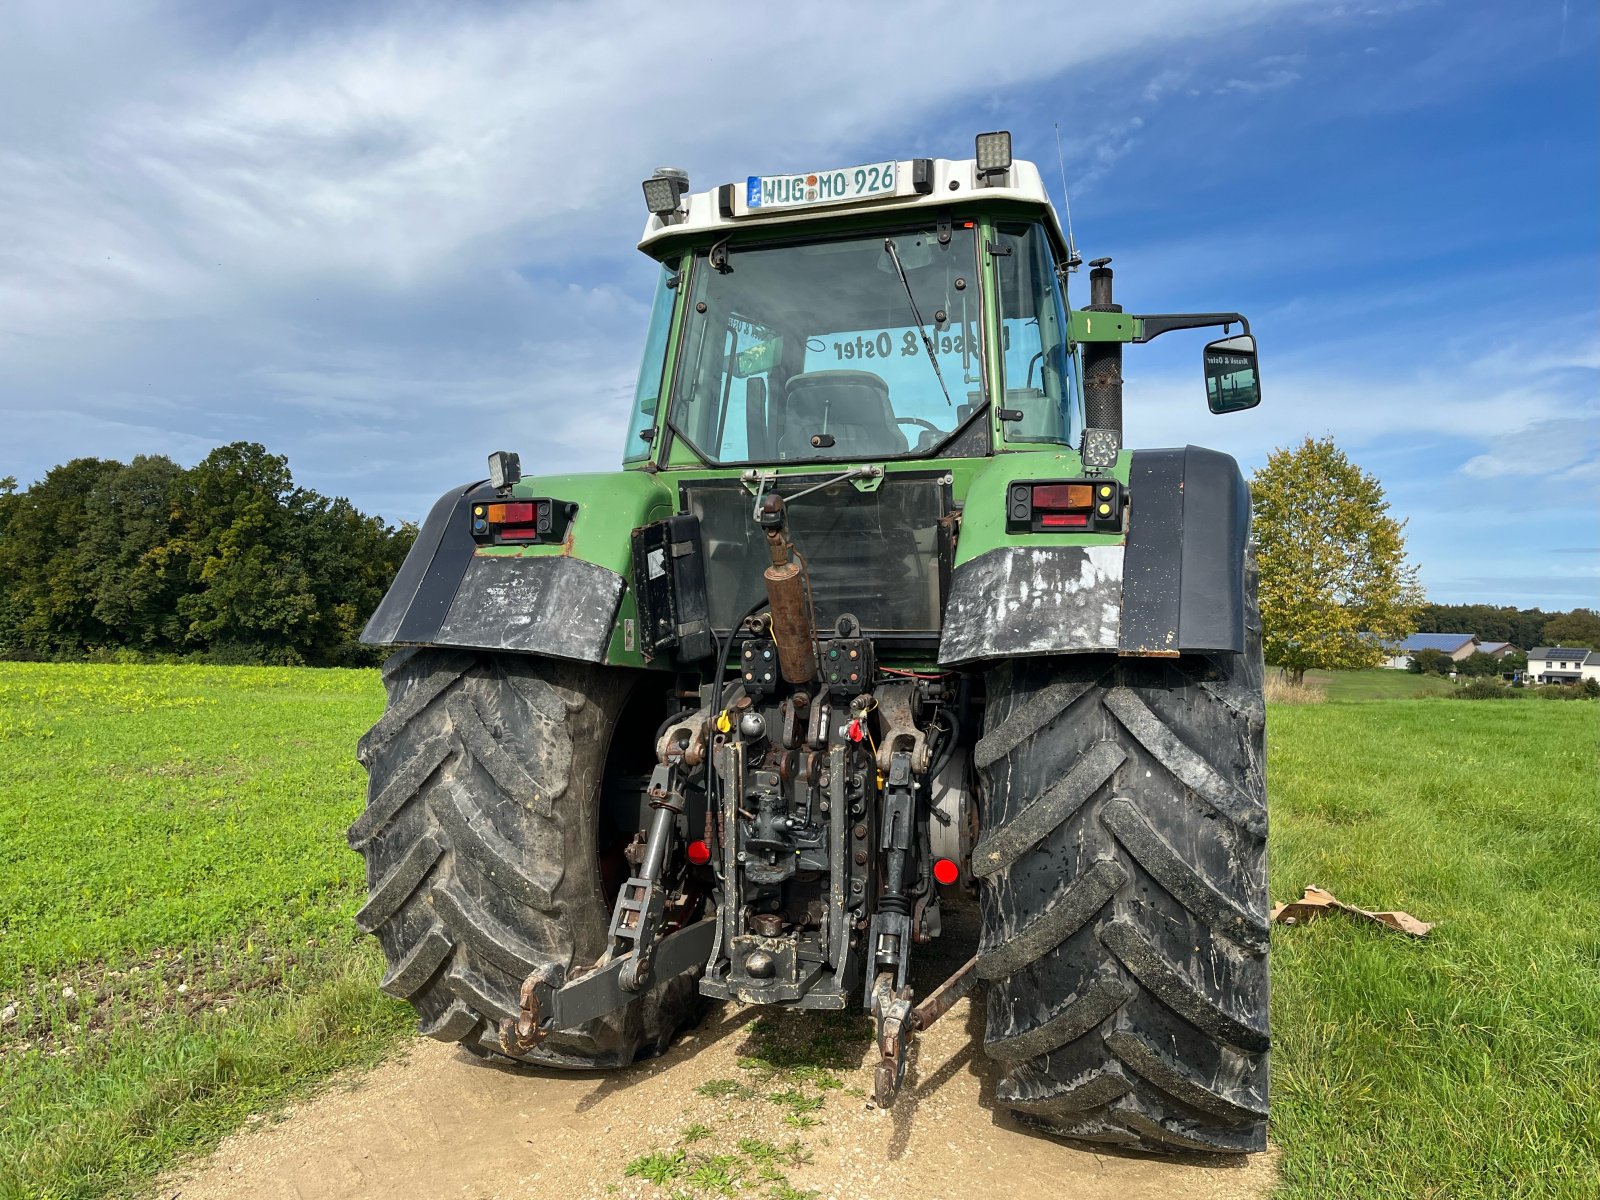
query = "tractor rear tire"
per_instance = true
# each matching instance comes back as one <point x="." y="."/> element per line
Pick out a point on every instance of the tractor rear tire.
<point x="480" y="836"/>
<point x="1123" y="885"/>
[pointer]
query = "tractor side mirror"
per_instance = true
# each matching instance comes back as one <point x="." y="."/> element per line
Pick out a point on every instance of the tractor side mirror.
<point x="1233" y="380"/>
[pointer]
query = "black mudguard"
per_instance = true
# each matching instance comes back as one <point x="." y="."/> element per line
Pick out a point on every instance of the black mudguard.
<point x="1176" y="586"/>
<point x="445" y="595"/>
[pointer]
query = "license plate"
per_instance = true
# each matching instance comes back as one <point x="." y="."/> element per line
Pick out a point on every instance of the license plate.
<point x="820" y="187"/>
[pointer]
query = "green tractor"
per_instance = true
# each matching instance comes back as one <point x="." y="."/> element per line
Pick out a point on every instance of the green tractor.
<point x="877" y="609"/>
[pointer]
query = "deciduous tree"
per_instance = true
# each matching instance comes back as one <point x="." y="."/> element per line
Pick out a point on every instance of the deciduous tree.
<point x="1580" y="627"/>
<point x="1335" y="584"/>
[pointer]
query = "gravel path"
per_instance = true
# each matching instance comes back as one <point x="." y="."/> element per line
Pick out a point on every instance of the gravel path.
<point x="435" y="1122"/>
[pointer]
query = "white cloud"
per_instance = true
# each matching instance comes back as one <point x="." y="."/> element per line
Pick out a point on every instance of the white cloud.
<point x="398" y="149"/>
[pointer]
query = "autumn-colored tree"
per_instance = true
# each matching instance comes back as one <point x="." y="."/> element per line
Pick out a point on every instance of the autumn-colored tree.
<point x="1335" y="585"/>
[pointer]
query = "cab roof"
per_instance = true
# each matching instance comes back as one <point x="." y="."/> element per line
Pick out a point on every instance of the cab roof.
<point x="927" y="183"/>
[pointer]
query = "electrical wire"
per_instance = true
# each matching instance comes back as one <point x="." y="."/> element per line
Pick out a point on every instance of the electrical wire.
<point x="724" y="647"/>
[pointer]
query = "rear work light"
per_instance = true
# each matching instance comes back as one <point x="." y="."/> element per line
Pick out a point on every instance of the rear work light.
<point x="522" y="522"/>
<point x="1049" y="506"/>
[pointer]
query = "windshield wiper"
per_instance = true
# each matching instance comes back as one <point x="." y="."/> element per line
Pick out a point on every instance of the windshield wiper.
<point x="927" y="342"/>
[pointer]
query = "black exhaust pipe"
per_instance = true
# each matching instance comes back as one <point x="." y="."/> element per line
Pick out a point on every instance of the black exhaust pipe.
<point x="1102" y="361"/>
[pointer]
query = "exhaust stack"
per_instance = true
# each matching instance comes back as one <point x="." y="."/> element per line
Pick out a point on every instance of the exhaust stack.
<point x="1102" y="361"/>
<point x="789" y="593"/>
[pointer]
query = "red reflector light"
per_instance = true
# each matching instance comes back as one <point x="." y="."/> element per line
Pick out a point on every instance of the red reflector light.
<point x="1063" y="495"/>
<point x="523" y="533"/>
<point x="1063" y="520"/>
<point x="511" y="514"/>
<point x="699" y="853"/>
<point x="945" y="871"/>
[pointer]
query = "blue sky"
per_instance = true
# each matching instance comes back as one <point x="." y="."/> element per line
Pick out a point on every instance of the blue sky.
<point x="384" y="239"/>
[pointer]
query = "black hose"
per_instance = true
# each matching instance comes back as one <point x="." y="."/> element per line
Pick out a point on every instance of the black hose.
<point x="949" y="747"/>
<point x="724" y="646"/>
<point x="662" y="728"/>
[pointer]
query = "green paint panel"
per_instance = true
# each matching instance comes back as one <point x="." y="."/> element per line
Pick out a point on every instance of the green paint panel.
<point x="983" y="515"/>
<point x="1103" y="326"/>
<point x="610" y="508"/>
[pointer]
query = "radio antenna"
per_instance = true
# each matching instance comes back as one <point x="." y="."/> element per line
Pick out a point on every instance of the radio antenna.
<point x="1073" y="258"/>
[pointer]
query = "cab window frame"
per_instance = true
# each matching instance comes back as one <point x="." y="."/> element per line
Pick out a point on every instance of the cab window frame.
<point x="695" y="259"/>
<point x="1007" y="230"/>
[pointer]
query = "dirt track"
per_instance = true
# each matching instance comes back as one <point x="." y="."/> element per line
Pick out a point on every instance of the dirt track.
<point x="437" y="1123"/>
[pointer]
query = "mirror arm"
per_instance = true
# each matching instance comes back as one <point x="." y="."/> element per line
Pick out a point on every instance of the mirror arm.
<point x="1156" y="324"/>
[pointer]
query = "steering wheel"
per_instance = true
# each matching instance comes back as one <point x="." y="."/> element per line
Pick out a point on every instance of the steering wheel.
<point x="928" y="425"/>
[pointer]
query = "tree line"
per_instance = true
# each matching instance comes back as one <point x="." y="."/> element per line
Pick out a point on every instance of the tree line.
<point x="226" y="561"/>
<point x="1522" y="627"/>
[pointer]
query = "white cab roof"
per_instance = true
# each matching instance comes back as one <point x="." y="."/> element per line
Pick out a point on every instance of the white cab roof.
<point x="953" y="181"/>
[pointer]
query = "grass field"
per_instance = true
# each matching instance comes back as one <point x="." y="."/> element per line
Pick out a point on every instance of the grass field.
<point x="172" y="850"/>
<point x="175" y="897"/>
<point x="1379" y="684"/>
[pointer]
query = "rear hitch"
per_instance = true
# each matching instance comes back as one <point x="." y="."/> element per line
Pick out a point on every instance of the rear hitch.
<point x="550" y="1001"/>
<point x="524" y="1032"/>
<point x="898" y="1024"/>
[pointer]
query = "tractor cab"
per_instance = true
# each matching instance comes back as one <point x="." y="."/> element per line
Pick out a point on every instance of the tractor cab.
<point x="902" y="310"/>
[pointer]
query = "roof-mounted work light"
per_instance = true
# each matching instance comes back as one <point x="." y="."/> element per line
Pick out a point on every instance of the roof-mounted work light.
<point x="664" y="189"/>
<point x="994" y="153"/>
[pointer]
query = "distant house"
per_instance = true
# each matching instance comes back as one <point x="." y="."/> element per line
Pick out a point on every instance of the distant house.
<point x="1498" y="649"/>
<point x="1562" y="664"/>
<point x="1457" y="645"/>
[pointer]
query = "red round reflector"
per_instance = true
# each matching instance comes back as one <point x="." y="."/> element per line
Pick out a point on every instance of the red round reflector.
<point x="699" y="853"/>
<point x="945" y="871"/>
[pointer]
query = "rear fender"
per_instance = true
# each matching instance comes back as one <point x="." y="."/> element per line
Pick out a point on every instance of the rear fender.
<point x="561" y="600"/>
<point x="1175" y="586"/>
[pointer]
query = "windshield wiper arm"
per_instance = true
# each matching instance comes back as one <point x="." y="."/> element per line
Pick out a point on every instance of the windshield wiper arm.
<point x="927" y="342"/>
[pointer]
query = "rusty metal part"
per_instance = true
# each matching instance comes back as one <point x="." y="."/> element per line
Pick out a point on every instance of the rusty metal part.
<point x="789" y="593"/>
<point x="685" y="740"/>
<point x="896" y="1028"/>
<point x="900" y="730"/>
<point x="817" y="725"/>
<point x="944" y="996"/>
<point x="766" y="924"/>
<point x="519" y="1035"/>
<point x="899" y="1023"/>
<point x="634" y="850"/>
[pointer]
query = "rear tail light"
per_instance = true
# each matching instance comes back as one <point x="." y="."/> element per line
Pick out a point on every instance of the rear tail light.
<point x="540" y="521"/>
<point x="1063" y="495"/>
<point x="1092" y="505"/>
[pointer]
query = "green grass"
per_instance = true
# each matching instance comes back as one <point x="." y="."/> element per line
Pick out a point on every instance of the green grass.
<point x="1466" y="1064"/>
<point x="172" y="851"/>
<point x="1378" y="684"/>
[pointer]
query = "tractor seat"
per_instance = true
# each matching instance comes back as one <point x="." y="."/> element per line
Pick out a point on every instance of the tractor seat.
<point x="853" y="406"/>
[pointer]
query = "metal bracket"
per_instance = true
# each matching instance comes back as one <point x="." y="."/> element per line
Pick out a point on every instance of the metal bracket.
<point x="865" y="478"/>
<point x="900" y="731"/>
<point x="549" y="1002"/>
<point x="899" y="1023"/>
<point x="895" y="1029"/>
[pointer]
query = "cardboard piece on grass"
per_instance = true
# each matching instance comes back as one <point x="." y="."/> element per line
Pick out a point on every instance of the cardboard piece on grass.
<point x="1316" y="902"/>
